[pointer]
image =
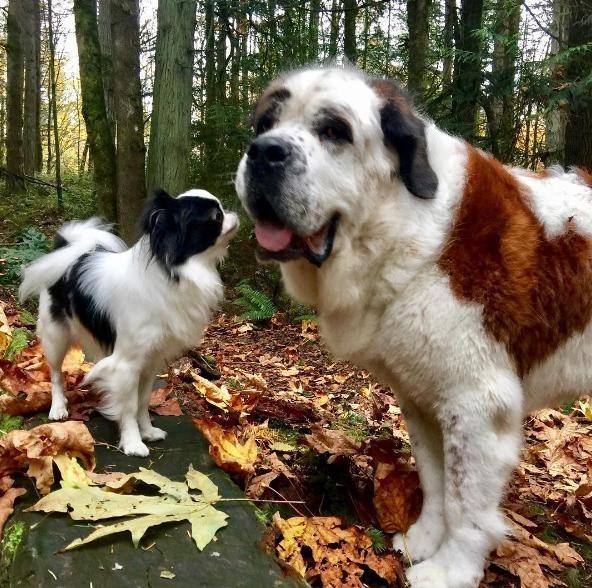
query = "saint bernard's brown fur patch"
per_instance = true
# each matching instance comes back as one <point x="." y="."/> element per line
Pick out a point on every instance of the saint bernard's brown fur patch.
<point x="535" y="292"/>
<point x="585" y="175"/>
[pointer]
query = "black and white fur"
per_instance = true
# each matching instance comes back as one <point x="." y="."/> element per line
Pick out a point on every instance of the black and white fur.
<point x="132" y="310"/>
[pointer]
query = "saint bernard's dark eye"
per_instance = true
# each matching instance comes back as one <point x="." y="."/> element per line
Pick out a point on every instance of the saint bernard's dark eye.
<point x="219" y="216"/>
<point x="334" y="129"/>
<point x="265" y="123"/>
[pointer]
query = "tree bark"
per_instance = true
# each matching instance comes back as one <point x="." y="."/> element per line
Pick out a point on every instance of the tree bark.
<point x="556" y="119"/>
<point x="98" y="129"/>
<point x="127" y="94"/>
<point x="350" y="12"/>
<point x="578" y="133"/>
<point x="52" y="81"/>
<point x="32" y="56"/>
<point x="170" y="132"/>
<point x="334" y="32"/>
<point x="503" y="72"/>
<point x="466" y="93"/>
<point x="450" y="17"/>
<point x="14" y="95"/>
<point x="106" y="43"/>
<point x="313" y="30"/>
<point x="418" y="26"/>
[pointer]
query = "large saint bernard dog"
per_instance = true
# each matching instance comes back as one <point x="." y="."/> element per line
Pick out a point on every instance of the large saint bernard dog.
<point x="463" y="284"/>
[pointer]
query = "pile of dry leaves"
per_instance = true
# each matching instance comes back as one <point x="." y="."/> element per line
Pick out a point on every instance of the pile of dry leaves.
<point x="326" y="446"/>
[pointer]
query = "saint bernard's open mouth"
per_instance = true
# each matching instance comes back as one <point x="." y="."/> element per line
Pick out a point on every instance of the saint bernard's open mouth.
<point x="279" y="242"/>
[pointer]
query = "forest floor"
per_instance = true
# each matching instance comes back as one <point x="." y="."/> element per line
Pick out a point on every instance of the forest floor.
<point x="327" y="444"/>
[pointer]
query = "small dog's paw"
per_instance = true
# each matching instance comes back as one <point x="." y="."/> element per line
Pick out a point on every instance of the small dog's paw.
<point x="154" y="434"/>
<point x="135" y="447"/>
<point x="427" y="575"/>
<point x="421" y="541"/>
<point x="58" y="413"/>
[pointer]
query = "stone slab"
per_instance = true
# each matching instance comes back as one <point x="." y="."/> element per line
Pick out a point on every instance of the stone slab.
<point x="233" y="560"/>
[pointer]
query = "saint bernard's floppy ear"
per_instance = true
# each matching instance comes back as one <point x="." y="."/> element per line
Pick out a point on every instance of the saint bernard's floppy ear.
<point x="405" y="133"/>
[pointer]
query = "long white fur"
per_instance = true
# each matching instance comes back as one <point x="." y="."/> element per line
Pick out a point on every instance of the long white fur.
<point x="385" y="305"/>
<point x="155" y="319"/>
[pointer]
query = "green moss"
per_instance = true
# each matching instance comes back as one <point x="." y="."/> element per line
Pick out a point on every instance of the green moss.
<point x="354" y="425"/>
<point x="9" y="423"/>
<point x="13" y="535"/>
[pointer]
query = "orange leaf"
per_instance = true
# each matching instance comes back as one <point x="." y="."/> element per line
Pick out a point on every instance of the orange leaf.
<point x="226" y="450"/>
<point x="397" y="497"/>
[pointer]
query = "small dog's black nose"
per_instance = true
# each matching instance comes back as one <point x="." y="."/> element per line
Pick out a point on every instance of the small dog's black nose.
<point x="270" y="151"/>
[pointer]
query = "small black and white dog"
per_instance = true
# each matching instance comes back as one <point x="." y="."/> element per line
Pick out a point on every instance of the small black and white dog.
<point x="132" y="310"/>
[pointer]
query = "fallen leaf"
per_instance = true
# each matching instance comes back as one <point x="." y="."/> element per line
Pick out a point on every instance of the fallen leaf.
<point x="35" y="450"/>
<point x="217" y="396"/>
<point x="325" y="549"/>
<point x="174" y="503"/>
<point x="7" y="497"/>
<point x="226" y="450"/>
<point x="397" y="497"/>
<point x="164" y="402"/>
<point x="5" y="331"/>
<point x="331" y="441"/>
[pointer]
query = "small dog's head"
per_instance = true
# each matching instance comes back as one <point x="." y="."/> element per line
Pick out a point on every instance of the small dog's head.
<point x="192" y="224"/>
<point x="328" y="141"/>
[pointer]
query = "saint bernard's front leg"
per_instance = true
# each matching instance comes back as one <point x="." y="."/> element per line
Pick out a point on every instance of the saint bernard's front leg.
<point x="481" y="431"/>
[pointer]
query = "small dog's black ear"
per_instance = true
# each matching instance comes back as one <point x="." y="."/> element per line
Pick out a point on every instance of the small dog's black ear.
<point x="405" y="133"/>
<point x="158" y="222"/>
<point x="159" y="202"/>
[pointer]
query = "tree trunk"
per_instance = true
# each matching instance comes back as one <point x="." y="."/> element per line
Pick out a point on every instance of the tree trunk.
<point x="102" y="150"/>
<point x="466" y="93"/>
<point x="32" y="55"/>
<point x="52" y="81"/>
<point x="578" y="133"/>
<point x="334" y="32"/>
<point x="170" y="132"/>
<point x="104" y="24"/>
<point x="556" y="119"/>
<point x="418" y="12"/>
<point x="450" y="17"/>
<point x="503" y="72"/>
<point x="313" y="30"/>
<point x="127" y="94"/>
<point x="350" y="12"/>
<point x="14" y="95"/>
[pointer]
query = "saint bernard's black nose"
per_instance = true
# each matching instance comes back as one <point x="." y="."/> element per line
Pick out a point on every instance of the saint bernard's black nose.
<point x="269" y="152"/>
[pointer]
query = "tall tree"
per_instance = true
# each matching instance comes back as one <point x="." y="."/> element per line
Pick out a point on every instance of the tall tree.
<point x="334" y="30"/>
<point x="98" y="129"/>
<point x="127" y="93"/>
<point x="556" y="118"/>
<point x="466" y="92"/>
<point x="578" y="133"/>
<point x="500" y="110"/>
<point x="14" y="94"/>
<point x="170" y="135"/>
<point x="313" y="30"/>
<point x="105" y="40"/>
<point x="32" y="56"/>
<point x="52" y="85"/>
<point x="418" y="13"/>
<point x="350" y="14"/>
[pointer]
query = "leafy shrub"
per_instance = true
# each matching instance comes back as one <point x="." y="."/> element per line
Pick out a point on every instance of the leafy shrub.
<point x="30" y="246"/>
<point x="258" y="306"/>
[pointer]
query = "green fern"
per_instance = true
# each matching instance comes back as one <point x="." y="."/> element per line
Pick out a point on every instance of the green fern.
<point x="20" y="339"/>
<point x="258" y="306"/>
<point x="31" y="245"/>
<point x="379" y="544"/>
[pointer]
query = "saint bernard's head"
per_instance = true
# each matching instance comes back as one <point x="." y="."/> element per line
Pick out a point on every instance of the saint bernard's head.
<point x="328" y="140"/>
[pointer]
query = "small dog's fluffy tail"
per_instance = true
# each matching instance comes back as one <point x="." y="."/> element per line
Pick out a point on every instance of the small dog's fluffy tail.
<point x="72" y="240"/>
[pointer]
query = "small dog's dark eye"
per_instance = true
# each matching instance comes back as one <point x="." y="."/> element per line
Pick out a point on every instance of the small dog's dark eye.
<point x="219" y="216"/>
<point x="264" y="124"/>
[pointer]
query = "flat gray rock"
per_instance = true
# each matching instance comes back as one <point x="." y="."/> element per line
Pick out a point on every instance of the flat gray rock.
<point x="233" y="560"/>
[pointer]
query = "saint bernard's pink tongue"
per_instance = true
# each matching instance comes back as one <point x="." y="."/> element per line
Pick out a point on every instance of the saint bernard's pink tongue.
<point x="272" y="237"/>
